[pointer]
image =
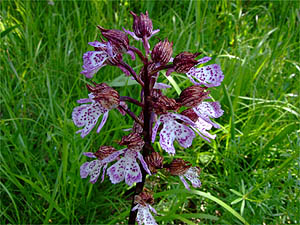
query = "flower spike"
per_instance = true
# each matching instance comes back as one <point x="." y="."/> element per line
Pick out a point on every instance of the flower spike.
<point x="174" y="118"/>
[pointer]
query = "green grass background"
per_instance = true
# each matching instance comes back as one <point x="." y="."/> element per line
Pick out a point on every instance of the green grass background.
<point x="253" y="165"/>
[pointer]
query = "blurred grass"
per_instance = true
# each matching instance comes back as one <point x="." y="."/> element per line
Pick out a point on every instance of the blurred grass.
<point x="253" y="163"/>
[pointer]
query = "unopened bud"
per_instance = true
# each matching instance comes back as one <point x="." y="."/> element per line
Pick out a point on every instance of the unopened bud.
<point x="142" y="25"/>
<point x="133" y="141"/>
<point x="193" y="96"/>
<point x="137" y="128"/>
<point x="104" y="151"/>
<point x="144" y="198"/>
<point x="184" y="61"/>
<point x="162" y="52"/>
<point x="178" y="167"/>
<point x="117" y="38"/>
<point x="108" y="97"/>
<point x="164" y="104"/>
<point x="154" y="161"/>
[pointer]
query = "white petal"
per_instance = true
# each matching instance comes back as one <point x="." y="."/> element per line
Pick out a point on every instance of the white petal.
<point x="192" y="175"/>
<point x="210" y="75"/>
<point x="116" y="172"/>
<point x="209" y="109"/>
<point x="133" y="172"/>
<point x="203" y="126"/>
<point x="144" y="216"/>
<point x="87" y="116"/>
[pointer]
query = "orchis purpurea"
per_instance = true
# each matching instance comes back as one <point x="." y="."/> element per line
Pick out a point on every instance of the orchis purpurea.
<point x="179" y="118"/>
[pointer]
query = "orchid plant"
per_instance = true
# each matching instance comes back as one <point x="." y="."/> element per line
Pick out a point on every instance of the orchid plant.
<point x="177" y="119"/>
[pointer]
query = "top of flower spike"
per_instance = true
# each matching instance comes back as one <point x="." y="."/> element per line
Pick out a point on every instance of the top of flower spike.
<point x="142" y="25"/>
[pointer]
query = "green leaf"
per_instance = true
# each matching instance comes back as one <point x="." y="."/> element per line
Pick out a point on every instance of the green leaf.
<point x="236" y="201"/>
<point x="122" y="81"/>
<point x="205" y="195"/>
<point x="4" y="33"/>
<point x="243" y="207"/>
<point x="173" y="82"/>
<point x="236" y="192"/>
<point x="280" y="135"/>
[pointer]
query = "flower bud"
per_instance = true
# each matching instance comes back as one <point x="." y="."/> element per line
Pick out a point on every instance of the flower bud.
<point x="156" y="93"/>
<point x="137" y="128"/>
<point x="162" y="52"/>
<point x="133" y="141"/>
<point x="117" y="38"/>
<point x="178" y="167"/>
<point x="154" y="161"/>
<point x="193" y="96"/>
<point x="104" y="151"/>
<point x="162" y="104"/>
<point x="142" y="25"/>
<point x="184" y="61"/>
<point x="144" y="198"/>
<point x="108" y="97"/>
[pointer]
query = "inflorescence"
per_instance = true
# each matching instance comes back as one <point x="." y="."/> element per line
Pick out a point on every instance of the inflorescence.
<point x="177" y="119"/>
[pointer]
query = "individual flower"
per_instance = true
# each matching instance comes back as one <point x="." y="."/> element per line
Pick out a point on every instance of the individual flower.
<point x="193" y="96"/>
<point x="154" y="161"/>
<point x="133" y="141"/>
<point x="183" y="169"/>
<point x="103" y="99"/>
<point x="105" y="53"/>
<point x="127" y="168"/>
<point x="87" y="115"/>
<point x="184" y="61"/>
<point x="118" y="38"/>
<point x="142" y="25"/>
<point x="161" y="103"/>
<point x="143" y="29"/>
<point x="210" y="75"/>
<point x="201" y="115"/>
<point x="108" y="97"/>
<point x="144" y="216"/>
<point x="172" y="130"/>
<point x="104" y="155"/>
<point x="162" y="52"/>
<point x="95" y="60"/>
